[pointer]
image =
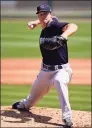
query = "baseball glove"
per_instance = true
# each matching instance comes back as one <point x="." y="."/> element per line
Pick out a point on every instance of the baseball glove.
<point x="53" y="43"/>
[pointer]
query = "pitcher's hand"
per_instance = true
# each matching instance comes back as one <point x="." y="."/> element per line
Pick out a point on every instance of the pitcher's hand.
<point x="33" y="24"/>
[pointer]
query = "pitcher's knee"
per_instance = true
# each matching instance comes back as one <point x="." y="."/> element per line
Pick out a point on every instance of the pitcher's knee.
<point x="59" y="81"/>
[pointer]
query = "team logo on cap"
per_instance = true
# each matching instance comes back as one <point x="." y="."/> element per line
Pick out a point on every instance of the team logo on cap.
<point x="42" y="6"/>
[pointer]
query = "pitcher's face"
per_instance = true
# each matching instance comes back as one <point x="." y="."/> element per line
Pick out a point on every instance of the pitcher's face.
<point x="44" y="17"/>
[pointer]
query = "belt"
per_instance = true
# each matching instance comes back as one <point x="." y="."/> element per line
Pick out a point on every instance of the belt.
<point x="52" y="68"/>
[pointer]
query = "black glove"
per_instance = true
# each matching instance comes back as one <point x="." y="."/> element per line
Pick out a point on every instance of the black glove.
<point x="61" y="40"/>
<point x="53" y="43"/>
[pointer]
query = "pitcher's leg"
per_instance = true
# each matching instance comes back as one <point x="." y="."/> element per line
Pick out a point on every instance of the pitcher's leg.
<point x="61" y="80"/>
<point x="39" y="88"/>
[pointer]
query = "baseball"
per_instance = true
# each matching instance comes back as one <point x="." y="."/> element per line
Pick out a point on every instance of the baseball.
<point x="31" y="26"/>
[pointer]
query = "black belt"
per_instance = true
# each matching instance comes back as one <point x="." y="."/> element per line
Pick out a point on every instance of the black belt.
<point x="52" y="68"/>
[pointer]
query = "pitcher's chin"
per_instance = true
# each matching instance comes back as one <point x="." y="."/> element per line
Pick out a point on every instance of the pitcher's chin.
<point x="45" y="21"/>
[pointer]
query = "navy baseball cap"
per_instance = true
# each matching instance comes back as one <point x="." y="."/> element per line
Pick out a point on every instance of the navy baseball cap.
<point x="43" y="8"/>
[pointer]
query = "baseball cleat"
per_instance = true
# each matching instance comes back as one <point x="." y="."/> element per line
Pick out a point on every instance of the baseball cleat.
<point x="19" y="106"/>
<point x="68" y="122"/>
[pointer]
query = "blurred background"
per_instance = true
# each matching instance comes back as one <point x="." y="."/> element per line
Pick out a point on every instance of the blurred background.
<point x="64" y="9"/>
<point x="18" y="43"/>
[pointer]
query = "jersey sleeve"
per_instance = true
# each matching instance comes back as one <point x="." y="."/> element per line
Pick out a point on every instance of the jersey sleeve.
<point x="61" y="24"/>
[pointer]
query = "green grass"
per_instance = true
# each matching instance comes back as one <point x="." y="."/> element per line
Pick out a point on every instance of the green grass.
<point x="18" y="41"/>
<point x="80" y="96"/>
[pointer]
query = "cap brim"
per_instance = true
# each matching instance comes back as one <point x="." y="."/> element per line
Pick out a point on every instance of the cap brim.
<point x="43" y="11"/>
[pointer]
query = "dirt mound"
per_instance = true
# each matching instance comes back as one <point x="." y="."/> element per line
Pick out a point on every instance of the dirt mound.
<point x="41" y="117"/>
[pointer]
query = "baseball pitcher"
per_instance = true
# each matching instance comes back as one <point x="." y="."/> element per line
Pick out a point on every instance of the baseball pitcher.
<point x="55" y="69"/>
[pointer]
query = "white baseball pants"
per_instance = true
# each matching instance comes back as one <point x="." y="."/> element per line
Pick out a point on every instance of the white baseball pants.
<point x="47" y="80"/>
